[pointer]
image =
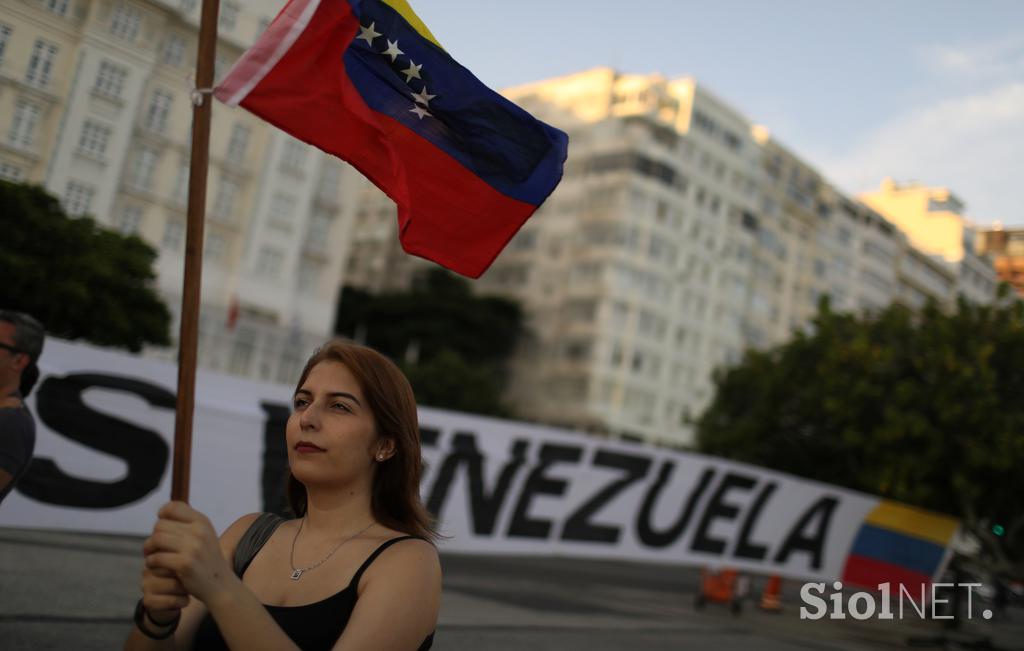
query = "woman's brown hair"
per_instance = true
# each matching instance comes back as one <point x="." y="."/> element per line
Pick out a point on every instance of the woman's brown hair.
<point x="395" y="495"/>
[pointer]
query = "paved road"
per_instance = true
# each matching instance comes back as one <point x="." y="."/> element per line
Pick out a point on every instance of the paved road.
<point x="76" y="591"/>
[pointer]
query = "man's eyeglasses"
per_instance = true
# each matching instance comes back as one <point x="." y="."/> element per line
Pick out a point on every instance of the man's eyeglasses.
<point x="12" y="349"/>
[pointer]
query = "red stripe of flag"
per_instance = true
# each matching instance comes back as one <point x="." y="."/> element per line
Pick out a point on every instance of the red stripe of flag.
<point x="870" y="573"/>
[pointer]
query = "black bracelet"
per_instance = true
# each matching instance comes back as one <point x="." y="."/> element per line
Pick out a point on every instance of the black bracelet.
<point x="140" y="622"/>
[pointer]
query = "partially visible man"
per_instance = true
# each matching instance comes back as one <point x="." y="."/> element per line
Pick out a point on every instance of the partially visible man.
<point x="21" y="342"/>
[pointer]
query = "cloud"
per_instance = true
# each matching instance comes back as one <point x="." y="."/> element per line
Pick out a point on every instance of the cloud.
<point x="999" y="57"/>
<point x="971" y="144"/>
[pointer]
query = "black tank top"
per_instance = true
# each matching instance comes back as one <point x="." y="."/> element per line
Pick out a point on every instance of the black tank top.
<point x="313" y="627"/>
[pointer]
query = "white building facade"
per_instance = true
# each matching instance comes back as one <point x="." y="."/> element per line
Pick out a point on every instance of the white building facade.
<point x="680" y="236"/>
<point x="95" y="105"/>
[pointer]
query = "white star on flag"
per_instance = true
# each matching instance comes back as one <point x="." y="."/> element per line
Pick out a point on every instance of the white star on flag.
<point x="393" y="50"/>
<point x="413" y="71"/>
<point x="423" y="97"/>
<point x="368" y="33"/>
<point x="420" y="111"/>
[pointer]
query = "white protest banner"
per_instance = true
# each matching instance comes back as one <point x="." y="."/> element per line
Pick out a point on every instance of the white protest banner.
<point x="105" y="424"/>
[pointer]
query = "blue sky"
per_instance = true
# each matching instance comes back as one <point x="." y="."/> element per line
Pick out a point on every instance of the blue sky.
<point x="924" y="90"/>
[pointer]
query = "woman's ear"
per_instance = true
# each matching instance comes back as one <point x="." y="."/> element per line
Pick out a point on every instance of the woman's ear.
<point x="386" y="449"/>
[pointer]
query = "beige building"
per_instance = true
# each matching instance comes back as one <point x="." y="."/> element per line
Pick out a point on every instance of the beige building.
<point x="933" y="219"/>
<point x="680" y="236"/>
<point x="95" y="105"/>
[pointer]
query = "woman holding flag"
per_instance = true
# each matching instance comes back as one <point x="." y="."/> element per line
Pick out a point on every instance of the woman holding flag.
<point x="354" y="570"/>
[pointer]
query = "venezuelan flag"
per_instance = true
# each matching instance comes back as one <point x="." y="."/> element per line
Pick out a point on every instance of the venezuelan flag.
<point x="366" y="80"/>
<point x="899" y="544"/>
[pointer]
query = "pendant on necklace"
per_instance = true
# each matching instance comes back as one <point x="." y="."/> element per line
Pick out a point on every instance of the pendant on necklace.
<point x="296" y="575"/>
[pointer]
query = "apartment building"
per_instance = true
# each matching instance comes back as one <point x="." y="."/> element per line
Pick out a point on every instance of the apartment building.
<point x="95" y="105"/>
<point x="934" y="221"/>
<point x="681" y="235"/>
<point x="1005" y="246"/>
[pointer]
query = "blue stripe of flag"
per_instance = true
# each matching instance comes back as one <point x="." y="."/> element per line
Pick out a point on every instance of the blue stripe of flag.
<point x="899" y="549"/>
<point x="498" y="141"/>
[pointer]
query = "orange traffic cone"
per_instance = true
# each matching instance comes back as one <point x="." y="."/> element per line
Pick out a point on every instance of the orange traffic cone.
<point x="770" y="599"/>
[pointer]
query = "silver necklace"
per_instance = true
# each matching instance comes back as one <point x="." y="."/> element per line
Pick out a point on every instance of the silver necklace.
<point x="297" y="571"/>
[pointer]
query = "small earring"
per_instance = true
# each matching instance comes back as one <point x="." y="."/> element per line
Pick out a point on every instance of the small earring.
<point x="380" y="457"/>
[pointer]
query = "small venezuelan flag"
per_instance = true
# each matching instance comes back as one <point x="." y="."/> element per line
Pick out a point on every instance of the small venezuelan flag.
<point x="365" y="80"/>
<point x="899" y="544"/>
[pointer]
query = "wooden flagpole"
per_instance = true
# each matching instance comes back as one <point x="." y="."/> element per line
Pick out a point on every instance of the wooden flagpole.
<point x="188" y="338"/>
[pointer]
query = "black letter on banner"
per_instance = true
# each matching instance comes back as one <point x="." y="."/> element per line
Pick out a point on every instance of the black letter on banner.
<point x="275" y="458"/>
<point x="718" y="509"/>
<point x="578" y="526"/>
<point x="523" y="526"/>
<point x="745" y="548"/>
<point x="484" y="508"/>
<point x="645" y="531"/>
<point x="429" y="436"/>
<point x="814" y="543"/>
<point x="60" y="406"/>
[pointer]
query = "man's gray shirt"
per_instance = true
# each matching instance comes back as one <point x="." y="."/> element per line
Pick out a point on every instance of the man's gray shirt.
<point x="17" y="441"/>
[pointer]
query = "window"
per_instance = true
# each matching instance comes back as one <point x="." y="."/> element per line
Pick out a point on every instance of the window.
<point x="876" y="251"/>
<point x="282" y="209"/>
<point x="704" y="123"/>
<point x="59" y="7"/>
<point x="224" y="206"/>
<point x="228" y="15"/>
<point x="242" y="352"/>
<point x="309" y="277"/>
<point x="23" y="126"/>
<point x="129" y="219"/>
<point x="40" y="63"/>
<point x="110" y="79"/>
<point x="94" y="139"/>
<point x="78" y="198"/>
<point x="580" y="311"/>
<point x="5" y="35"/>
<point x="319" y="230"/>
<point x="216" y="245"/>
<point x="220" y="65"/>
<point x="146" y="160"/>
<point x="12" y="173"/>
<point x="124" y="23"/>
<point x="820" y="268"/>
<point x="294" y="155"/>
<point x="269" y="262"/>
<point x="576" y="350"/>
<point x="159" y="108"/>
<point x="638" y="361"/>
<point x="174" y="234"/>
<point x="181" y="183"/>
<point x="876" y="281"/>
<point x="173" y="53"/>
<point x="239" y="143"/>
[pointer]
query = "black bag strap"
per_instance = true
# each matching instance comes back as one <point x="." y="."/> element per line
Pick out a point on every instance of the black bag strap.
<point x="253" y="539"/>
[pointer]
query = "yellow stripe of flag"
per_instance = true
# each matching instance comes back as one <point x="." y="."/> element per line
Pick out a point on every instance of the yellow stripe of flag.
<point x="914" y="522"/>
<point x="403" y="8"/>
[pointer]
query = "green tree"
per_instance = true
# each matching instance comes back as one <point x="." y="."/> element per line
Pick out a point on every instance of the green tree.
<point x="453" y="345"/>
<point x="922" y="407"/>
<point x="80" y="280"/>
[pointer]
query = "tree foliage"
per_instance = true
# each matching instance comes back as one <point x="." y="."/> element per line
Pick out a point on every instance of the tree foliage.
<point x="453" y="345"/>
<point x="80" y="280"/>
<point x="922" y="407"/>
